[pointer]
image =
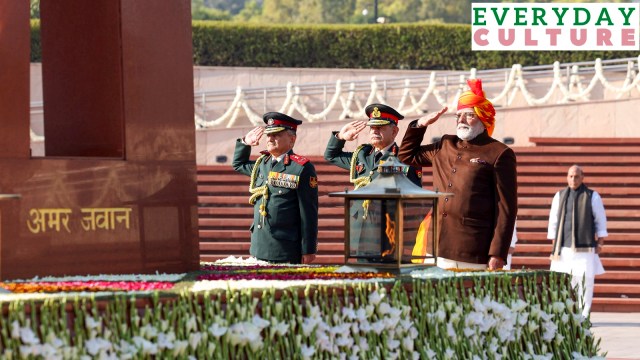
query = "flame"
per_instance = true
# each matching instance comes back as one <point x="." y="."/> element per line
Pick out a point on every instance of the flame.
<point x="391" y="236"/>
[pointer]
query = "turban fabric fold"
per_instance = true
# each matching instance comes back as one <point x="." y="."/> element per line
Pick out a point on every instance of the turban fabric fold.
<point x="475" y="98"/>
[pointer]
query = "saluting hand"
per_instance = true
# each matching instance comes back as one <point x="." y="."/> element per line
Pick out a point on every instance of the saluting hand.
<point x="431" y="118"/>
<point x="351" y="131"/>
<point x="253" y="137"/>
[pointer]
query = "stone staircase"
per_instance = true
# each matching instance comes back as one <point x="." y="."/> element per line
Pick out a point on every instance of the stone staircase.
<point x="612" y="167"/>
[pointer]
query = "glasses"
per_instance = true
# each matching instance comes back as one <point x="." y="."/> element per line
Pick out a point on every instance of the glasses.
<point x="465" y="116"/>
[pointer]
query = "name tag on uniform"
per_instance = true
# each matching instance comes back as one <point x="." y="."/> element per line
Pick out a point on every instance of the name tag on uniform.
<point x="288" y="181"/>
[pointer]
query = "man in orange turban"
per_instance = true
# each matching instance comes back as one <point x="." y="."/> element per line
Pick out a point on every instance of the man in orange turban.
<point x="475" y="100"/>
<point x="477" y="222"/>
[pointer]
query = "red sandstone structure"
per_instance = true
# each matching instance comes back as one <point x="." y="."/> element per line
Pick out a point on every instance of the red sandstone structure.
<point x="116" y="189"/>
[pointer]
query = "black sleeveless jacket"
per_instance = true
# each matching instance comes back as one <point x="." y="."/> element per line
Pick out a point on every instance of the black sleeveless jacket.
<point x="583" y="226"/>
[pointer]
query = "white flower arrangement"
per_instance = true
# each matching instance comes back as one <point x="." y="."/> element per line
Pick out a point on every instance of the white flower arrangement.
<point x="440" y="319"/>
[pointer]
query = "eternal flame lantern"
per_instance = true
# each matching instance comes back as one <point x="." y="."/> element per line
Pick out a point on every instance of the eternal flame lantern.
<point x="390" y="223"/>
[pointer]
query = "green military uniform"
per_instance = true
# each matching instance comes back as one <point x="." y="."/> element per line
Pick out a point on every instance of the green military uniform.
<point x="368" y="221"/>
<point x="365" y="164"/>
<point x="285" y="216"/>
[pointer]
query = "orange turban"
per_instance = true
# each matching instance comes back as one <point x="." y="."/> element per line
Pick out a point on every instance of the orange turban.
<point x="475" y="99"/>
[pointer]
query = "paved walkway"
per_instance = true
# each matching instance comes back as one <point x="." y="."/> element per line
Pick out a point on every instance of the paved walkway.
<point x="619" y="332"/>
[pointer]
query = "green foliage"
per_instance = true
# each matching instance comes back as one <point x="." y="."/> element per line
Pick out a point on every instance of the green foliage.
<point x="233" y="7"/>
<point x="210" y="14"/>
<point x="292" y="11"/>
<point x="36" y="42"/>
<point x="351" y="11"/>
<point x="390" y="46"/>
<point x="201" y="12"/>
<point x="250" y="13"/>
<point x="337" y="11"/>
<point x="35" y="9"/>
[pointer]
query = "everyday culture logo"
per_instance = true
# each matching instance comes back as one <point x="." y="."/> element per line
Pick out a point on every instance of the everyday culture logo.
<point x="555" y="26"/>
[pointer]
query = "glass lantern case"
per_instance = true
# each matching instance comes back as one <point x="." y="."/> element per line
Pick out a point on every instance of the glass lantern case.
<point x="391" y="223"/>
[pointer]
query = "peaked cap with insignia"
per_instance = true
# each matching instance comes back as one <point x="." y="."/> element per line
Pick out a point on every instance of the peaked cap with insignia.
<point x="277" y="122"/>
<point x="380" y="114"/>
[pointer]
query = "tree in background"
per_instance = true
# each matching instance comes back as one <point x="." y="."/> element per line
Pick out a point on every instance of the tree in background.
<point x="199" y="11"/>
<point x="401" y="11"/>
<point x="252" y="12"/>
<point x="337" y="11"/>
<point x="233" y="7"/>
<point x="451" y="11"/>
<point x="362" y="12"/>
<point x="439" y="11"/>
<point x="292" y="11"/>
<point x="353" y="11"/>
<point x="35" y="9"/>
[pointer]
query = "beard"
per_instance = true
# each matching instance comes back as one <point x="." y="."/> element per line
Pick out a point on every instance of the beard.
<point x="466" y="132"/>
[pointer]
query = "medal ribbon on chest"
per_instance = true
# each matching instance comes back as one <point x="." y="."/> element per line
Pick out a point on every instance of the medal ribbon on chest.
<point x="283" y="180"/>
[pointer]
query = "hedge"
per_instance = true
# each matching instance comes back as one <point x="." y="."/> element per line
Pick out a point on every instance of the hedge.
<point x="390" y="46"/>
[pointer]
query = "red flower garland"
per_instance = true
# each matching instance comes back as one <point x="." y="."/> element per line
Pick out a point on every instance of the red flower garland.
<point x="89" y="286"/>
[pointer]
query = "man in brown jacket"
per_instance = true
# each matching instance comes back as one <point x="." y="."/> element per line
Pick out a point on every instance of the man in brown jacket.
<point x="476" y="225"/>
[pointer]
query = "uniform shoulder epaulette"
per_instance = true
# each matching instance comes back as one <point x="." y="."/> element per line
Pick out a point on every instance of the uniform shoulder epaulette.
<point x="264" y="152"/>
<point x="368" y="148"/>
<point x="299" y="159"/>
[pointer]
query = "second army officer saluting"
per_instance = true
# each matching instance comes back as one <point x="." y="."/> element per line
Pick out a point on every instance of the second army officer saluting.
<point x="367" y="218"/>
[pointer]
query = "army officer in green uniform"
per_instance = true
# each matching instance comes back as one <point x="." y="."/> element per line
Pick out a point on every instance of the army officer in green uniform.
<point x="284" y="192"/>
<point x="363" y="164"/>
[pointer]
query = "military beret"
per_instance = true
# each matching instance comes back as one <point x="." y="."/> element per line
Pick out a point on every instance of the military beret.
<point x="380" y="114"/>
<point x="277" y="122"/>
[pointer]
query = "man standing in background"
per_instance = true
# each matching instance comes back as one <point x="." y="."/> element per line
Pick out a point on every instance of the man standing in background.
<point x="578" y="226"/>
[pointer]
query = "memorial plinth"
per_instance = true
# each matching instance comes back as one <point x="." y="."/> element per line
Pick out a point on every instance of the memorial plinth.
<point x="116" y="189"/>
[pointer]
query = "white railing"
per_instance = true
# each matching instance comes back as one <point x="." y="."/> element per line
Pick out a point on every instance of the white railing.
<point x="516" y="86"/>
<point x="415" y="95"/>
